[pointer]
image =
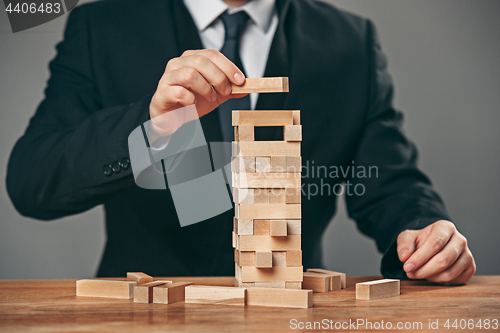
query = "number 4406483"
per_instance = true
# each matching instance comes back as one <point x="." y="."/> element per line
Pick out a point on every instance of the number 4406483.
<point x="33" y="8"/>
<point x="471" y="324"/>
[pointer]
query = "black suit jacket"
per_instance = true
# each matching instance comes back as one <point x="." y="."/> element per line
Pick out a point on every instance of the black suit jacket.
<point x="102" y="80"/>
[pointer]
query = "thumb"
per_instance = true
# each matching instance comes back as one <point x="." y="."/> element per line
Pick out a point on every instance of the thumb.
<point x="406" y="244"/>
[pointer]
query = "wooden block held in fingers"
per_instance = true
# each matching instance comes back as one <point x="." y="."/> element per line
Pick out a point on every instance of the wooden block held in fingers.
<point x="264" y="259"/>
<point x="261" y="227"/>
<point x="325" y="271"/>
<point x="292" y="133"/>
<point x="277" y="284"/>
<point x="144" y="292"/>
<point x="268" y="243"/>
<point x="288" y="298"/>
<point x="294" y="257"/>
<point x="377" y="289"/>
<point x="293" y="195"/>
<point x="279" y="258"/>
<point x="277" y="228"/>
<point x="261" y="85"/>
<point x="268" y="212"/>
<point x="263" y="118"/>
<point x="294" y="164"/>
<point x="274" y="274"/>
<point x="105" y="288"/>
<point x="246" y="133"/>
<point x="278" y="164"/>
<point x="293" y="285"/>
<point x="317" y="282"/>
<point x="269" y="148"/>
<point x="294" y="227"/>
<point x="139" y="277"/>
<point x="170" y="293"/>
<point x="215" y="295"/>
<point x="262" y="164"/>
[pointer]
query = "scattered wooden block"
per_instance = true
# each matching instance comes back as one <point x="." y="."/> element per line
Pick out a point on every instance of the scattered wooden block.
<point x="274" y="274"/>
<point x="245" y="258"/>
<point x="262" y="118"/>
<point x="317" y="282"/>
<point x="277" y="196"/>
<point x="278" y="164"/>
<point x="268" y="212"/>
<point x="138" y="277"/>
<point x="261" y="85"/>
<point x="144" y="292"/>
<point x="279" y="258"/>
<point x="269" y="148"/>
<point x="296" y="117"/>
<point x="294" y="164"/>
<point x="377" y="289"/>
<point x="215" y="295"/>
<point x="268" y="180"/>
<point x="105" y="288"/>
<point x="332" y="273"/>
<point x="261" y="227"/>
<point x="294" y="227"/>
<point x="263" y="259"/>
<point x="278" y="228"/>
<point x="280" y="284"/>
<point x="246" y="133"/>
<point x="170" y="293"/>
<point x="243" y="164"/>
<point x="293" y="195"/>
<point x="294" y="258"/>
<point x="293" y="285"/>
<point x="292" y="133"/>
<point x="289" y="298"/>
<point x="268" y="243"/>
<point x="262" y="164"/>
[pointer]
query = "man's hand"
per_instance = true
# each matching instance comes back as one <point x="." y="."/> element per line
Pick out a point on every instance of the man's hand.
<point x="438" y="253"/>
<point x="201" y="77"/>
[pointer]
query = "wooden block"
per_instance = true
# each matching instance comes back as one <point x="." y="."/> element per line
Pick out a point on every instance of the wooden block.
<point x="293" y="285"/>
<point x="277" y="196"/>
<point x="294" y="257"/>
<point x="261" y="85"/>
<point x="245" y="227"/>
<point x="317" y="282"/>
<point x="246" y="133"/>
<point x="262" y="164"/>
<point x="215" y="295"/>
<point x="261" y="196"/>
<point x="293" y="195"/>
<point x="377" y="289"/>
<point x="292" y="133"/>
<point x="268" y="212"/>
<point x="243" y="164"/>
<point x="278" y="163"/>
<point x="288" y="298"/>
<point x="269" y="148"/>
<point x="332" y="273"/>
<point x="277" y="228"/>
<point x="243" y="195"/>
<point x="261" y="227"/>
<point x="294" y="164"/>
<point x="144" y="292"/>
<point x="279" y="258"/>
<point x="236" y="134"/>
<point x="294" y="227"/>
<point x="274" y="274"/>
<point x="138" y="277"/>
<point x="264" y="259"/>
<point x="170" y="293"/>
<point x="244" y="284"/>
<point x="280" y="284"/>
<point x="296" y="117"/>
<point x="105" y="288"/>
<point x="268" y="180"/>
<point x="262" y="118"/>
<point x="269" y="243"/>
<point x="245" y="258"/>
<point x="234" y="239"/>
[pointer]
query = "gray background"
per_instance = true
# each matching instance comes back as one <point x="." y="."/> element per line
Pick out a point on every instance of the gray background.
<point x="444" y="56"/>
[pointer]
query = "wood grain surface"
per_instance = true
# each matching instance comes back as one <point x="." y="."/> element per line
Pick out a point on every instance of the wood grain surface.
<point x="51" y="306"/>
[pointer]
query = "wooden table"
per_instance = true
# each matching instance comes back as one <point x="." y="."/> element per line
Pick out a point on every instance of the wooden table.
<point x="51" y="306"/>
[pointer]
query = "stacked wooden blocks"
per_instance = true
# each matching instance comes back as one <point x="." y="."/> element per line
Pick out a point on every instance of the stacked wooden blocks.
<point x="267" y="196"/>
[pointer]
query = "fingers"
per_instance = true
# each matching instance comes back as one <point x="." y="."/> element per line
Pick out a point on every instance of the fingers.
<point x="406" y="244"/>
<point x="438" y="237"/>
<point x="191" y="79"/>
<point x="458" y="273"/>
<point x="442" y="260"/>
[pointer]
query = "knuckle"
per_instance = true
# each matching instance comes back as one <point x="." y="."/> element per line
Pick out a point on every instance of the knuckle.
<point x="220" y="79"/>
<point x="443" y="262"/>
<point x="190" y="74"/>
<point x="210" y="53"/>
<point x="179" y="93"/>
<point x="438" y="242"/>
<point x="186" y="53"/>
<point x="446" y="276"/>
<point x="201" y="60"/>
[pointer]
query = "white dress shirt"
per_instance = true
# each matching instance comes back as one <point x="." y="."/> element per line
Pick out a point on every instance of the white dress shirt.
<point x="256" y="39"/>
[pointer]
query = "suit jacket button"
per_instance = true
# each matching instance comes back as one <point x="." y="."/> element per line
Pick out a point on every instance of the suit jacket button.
<point x="107" y="170"/>
<point x="116" y="167"/>
<point x="125" y="163"/>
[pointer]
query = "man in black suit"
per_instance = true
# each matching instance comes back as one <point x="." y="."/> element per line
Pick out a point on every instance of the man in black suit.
<point x="109" y="77"/>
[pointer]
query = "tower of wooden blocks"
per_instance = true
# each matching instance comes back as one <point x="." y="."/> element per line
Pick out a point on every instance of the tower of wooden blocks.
<point x="266" y="179"/>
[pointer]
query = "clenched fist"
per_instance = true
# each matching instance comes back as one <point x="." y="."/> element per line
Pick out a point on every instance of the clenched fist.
<point x="438" y="253"/>
<point x="201" y="77"/>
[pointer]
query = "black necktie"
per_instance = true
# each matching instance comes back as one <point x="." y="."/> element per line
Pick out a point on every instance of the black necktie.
<point x="234" y="25"/>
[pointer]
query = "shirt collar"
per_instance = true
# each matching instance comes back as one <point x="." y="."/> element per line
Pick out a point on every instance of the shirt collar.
<point x="205" y="12"/>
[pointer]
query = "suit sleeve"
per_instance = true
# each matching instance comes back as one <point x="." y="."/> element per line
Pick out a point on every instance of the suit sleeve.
<point x="398" y="196"/>
<point x="57" y="167"/>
